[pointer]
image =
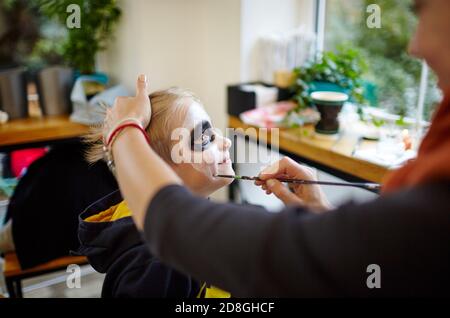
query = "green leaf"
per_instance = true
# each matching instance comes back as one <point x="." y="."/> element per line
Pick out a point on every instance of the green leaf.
<point x="98" y="21"/>
<point x="401" y="122"/>
<point x="345" y="67"/>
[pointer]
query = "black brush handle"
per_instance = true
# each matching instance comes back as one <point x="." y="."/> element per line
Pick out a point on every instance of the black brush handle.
<point x="368" y="186"/>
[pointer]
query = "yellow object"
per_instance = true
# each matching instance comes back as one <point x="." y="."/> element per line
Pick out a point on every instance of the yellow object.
<point x="212" y="292"/>
<point x="114" y="213"/>
<point x="122" y="210"/>
<point x="283" y="78"/>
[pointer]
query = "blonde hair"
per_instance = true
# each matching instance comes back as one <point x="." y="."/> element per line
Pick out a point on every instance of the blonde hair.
<point x="168" y="108"/>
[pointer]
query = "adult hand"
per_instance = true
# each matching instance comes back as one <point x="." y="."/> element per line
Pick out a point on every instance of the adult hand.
<point x="137" y="108"/>
<point x="311" y="196"/>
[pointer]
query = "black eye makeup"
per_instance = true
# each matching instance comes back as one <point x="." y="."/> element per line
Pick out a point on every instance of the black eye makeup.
<point x="202" y="136"/>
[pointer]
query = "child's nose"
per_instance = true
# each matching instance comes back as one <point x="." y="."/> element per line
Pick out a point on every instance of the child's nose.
<point x="225" y="142"/>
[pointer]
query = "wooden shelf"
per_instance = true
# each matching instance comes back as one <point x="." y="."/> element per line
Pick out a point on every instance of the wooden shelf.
<point x="12" y="265"/>
<point x="39" y="129"/>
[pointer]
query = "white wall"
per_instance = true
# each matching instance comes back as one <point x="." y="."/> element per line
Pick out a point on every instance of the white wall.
<point x="198" y="44"/>
<point x="221" y="60"/>
<point x="262" y="17"/>
<point x="192" y="44"/>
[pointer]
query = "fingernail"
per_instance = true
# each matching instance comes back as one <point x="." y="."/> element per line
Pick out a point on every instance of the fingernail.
<point x="143" y="78"/>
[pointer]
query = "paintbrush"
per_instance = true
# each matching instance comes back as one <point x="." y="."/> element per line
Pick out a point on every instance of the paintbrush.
<point x="367" y="186"/>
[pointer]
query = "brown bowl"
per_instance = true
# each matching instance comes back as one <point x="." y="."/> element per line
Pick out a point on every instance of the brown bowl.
<point x="328" y="104"/>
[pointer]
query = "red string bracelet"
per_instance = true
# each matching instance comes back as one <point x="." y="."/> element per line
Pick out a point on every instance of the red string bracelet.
<point x="121" y="127"/>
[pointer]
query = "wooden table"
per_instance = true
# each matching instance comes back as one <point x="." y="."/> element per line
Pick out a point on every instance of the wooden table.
<point x="336" y="155"/>
<point x="14" y="274"/>
<point x="18" y="133"/>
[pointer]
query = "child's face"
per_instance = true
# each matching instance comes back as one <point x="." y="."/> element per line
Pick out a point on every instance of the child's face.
<point x="208" y="151"/>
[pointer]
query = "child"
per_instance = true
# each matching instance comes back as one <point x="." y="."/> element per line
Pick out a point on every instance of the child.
<point x="107" y="233"/>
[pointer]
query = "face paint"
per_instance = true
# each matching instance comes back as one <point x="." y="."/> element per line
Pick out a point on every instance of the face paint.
<point x="202" y="136"/>
<point x="205" y="146"/>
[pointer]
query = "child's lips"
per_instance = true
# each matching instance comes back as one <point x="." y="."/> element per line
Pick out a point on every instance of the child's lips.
<point x="226" y="160"/>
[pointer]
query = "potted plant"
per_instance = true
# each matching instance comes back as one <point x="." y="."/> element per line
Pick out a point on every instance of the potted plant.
<point x="339" y="71"/>
<point x="78" y="47"/>
<point x="98" y="20"/>
<point x="332" y="71"/>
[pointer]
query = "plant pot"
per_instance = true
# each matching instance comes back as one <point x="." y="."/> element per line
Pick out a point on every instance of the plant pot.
<point x="323" y="86"/>
<point x="328" y="104"/>
<point x="13" y="92"/>
<point x="54" y="85"/>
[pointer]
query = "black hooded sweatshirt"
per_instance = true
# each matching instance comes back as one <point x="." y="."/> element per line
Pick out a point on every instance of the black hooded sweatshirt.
<point x="115" y="247"/>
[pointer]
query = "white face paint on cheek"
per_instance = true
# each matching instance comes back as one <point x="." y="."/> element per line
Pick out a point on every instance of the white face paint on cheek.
<point x="209" y="161"/>
<point x="203" y="161"/>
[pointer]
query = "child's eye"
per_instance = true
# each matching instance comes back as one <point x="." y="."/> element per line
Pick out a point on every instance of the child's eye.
<point x="207" y="137"/>
<point x="205" y="140"/>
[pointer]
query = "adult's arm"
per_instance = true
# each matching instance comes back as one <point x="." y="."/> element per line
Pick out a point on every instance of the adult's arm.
<point x="140" y="171"/>
<point x="251" y="252"/>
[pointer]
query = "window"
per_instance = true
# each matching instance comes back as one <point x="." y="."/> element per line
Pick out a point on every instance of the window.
<point x="393" y="79"/>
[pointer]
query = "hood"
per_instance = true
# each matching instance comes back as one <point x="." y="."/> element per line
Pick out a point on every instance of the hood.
<point x="106" y="230"/>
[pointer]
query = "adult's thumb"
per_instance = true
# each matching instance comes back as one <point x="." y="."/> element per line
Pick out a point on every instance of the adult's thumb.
<point x="141" y="85"/>
<point x="282" y="192"/>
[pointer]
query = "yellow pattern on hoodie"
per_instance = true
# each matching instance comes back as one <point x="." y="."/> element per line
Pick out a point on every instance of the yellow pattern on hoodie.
<point x="122" y="210"/>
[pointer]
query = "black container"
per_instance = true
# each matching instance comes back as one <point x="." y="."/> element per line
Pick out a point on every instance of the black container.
<point x="239" y="101"/>
<point x="54" y="86"/>
<point x="329" y="105"/>
<point x="13" y="92"/>
<point x="328" y="124"/>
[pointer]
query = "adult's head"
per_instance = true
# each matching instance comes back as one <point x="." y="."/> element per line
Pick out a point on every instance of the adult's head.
<point x="431" y="40"/>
